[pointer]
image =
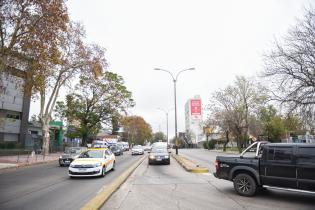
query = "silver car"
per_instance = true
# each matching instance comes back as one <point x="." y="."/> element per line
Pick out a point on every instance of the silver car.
<point x="137" y="150"/>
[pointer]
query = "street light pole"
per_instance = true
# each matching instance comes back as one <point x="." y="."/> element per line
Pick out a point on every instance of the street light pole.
<point x="166" y="113"/>
<point x="175" y="102"/>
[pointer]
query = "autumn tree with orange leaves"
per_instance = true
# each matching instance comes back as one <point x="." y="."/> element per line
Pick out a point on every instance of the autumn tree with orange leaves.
<point x="136" y="130"/>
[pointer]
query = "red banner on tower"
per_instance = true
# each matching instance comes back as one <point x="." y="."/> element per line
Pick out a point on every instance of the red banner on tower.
<point x="195" y="108"/>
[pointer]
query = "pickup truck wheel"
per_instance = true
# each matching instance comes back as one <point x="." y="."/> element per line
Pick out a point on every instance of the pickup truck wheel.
<point x="245" y="185"/>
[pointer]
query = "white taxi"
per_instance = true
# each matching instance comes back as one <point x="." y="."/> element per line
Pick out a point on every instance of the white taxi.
<point x="93" y="162"/>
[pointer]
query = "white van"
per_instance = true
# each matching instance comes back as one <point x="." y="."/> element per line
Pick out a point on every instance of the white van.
<point x="124" y="144"/>
<point x="99" y="144"/>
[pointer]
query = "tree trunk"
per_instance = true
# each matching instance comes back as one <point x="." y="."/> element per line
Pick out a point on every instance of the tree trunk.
<point x="46" y="136"/>
<point x="84" y="140"/>
<point x="239" y="142"/>
<point x="227" y="140"/>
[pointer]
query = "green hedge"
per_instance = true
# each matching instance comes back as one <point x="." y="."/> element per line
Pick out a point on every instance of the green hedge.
<point x="9" y="152"/>
<point x="211" y="144"/>
<point x="10" y="145"/>
<point x="205" y="145"/>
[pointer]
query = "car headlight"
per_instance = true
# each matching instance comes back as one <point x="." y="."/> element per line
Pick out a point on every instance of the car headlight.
<point x="71" y="165"/>
<point x="166" y="156"/>
<point x="151" y="157"/>
<point x="97" y="164"/>
<point x="60" y="157"/>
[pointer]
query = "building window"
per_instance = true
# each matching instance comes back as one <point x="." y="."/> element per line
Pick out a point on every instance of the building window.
<point x="13" y="116"/>
<point x="34" y="132"/>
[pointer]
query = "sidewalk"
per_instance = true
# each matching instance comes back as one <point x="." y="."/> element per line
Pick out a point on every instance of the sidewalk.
<point x="14" y="161"/>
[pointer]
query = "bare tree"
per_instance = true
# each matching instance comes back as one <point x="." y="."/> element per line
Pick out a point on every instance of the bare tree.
<point x="291" y="67"/>
<point x="220" y="120"/>
<point x="233" y="106"/>
<point x="75" y="58"/>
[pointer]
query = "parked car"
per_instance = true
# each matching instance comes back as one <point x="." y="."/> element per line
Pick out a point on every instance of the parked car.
<point x="137" y="150"/>
<point x="117" y="149"/>
<point x="70" y="154"/>
<point x="93" y="162"/>
<point x="285" y="166"/>
<point x="159" y="155"/>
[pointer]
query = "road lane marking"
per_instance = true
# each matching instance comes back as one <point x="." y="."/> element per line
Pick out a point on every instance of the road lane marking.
<point x="98" y="201"/>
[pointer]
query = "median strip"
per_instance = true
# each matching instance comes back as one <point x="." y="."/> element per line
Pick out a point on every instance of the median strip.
<point x="98" y="201"/>
<point x="189" y="165"/>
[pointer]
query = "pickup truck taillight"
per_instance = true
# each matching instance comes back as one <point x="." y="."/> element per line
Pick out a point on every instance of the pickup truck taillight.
<point x="216" y="164"/>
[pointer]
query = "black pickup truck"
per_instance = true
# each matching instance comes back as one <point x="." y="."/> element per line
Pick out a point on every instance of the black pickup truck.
<point x="285" y="166"/>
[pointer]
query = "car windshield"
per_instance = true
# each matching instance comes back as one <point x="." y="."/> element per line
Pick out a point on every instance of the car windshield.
<point x="137" y="147"/>
<point x="92" y="154"/>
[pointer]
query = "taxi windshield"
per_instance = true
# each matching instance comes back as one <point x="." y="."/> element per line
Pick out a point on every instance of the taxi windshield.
<point x="92" y="154"/>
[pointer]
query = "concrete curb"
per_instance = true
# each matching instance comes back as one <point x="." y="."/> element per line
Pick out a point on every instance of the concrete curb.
<point x="188" y="165"/>
<point x="98" y="201"/>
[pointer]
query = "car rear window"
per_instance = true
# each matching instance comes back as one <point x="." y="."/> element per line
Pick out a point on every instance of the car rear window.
<point x="280" y="154"/>
<point x="306" y="155"/>
<point x="159" y="150"/>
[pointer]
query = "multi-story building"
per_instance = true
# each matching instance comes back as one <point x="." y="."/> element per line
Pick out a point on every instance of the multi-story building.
<point x="193" y="120"/>
<point x="14" y="107"/>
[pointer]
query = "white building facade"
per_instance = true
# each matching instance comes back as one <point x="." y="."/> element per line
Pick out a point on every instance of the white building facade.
<point x="193" y="119"/>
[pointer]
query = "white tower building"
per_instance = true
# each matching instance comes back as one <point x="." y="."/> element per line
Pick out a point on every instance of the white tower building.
<point x="193" y="119"/>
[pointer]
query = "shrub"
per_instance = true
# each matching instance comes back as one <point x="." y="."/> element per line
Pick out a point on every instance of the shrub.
<point x="10" y="145"/>
<point x="211" y="144"/>
<point x="205" y="145"/>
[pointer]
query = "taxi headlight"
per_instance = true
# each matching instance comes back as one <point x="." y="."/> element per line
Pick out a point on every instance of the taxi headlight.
<point x="97" y="164"/>
<point x="71" y="165"/>
<point x="151" y="157"/>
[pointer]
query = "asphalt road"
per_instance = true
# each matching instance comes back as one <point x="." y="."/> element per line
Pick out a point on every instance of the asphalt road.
<point x="49" y="187"/>
<point x="171" y="187"/>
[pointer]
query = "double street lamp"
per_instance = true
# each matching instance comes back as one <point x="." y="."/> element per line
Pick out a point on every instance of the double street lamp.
<point x="175" y="105"/>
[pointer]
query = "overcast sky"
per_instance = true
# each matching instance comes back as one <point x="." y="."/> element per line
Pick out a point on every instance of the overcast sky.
<point x="221" y="39"/>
